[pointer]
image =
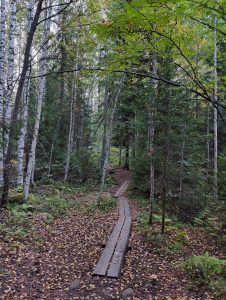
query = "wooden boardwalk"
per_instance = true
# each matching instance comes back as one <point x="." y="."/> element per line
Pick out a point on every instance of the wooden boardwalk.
<point x="112" y="258"/>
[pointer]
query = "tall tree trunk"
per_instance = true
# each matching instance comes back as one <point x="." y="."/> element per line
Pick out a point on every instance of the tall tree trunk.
<point x="181" y="166"/>
<point x="10" y="73"/>
<point x="71" y="133"/>
<point x="167" y="129"/>
<point x="151" y="170"/>
<point x="126" y="165"/>
<point x="81" y="124"/>
<point x="2" y="61"/>
<point x="99" y="127"/>
<point x="52" y="147"/>
<point x="208" y="142"/>
<point x="108" y="141"/>
<point x="151" y="132"/>
<point x="40" y="99"/>
<point x="25" y="107"/>
<point x="215" y="118"/>
<point x="104" y="140"/>
<point x="14" y="117"/>
<point x="120" y="154"/>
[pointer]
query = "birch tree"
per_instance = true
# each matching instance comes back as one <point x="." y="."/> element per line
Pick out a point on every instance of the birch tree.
<point x="25" y="107"/>
<point x="10" y="73"/>
<point x="2" y="60"/>
<point x="15" y="112"/>
<point x="40" y="99"/>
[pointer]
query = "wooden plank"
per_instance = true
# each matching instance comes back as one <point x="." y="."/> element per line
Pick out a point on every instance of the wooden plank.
<point x="102" y="265"/>
<point x="125" y="201"/>
<point x="127" y="208"/>
<point x="121" y="207"/>
<point x="125" y="187"/>
<point x="120" y="250"/>
<point x="122" y="189"/>
<point x="118" y="192"/>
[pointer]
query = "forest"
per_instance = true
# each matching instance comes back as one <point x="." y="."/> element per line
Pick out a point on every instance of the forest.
<point x="113" y="149"/>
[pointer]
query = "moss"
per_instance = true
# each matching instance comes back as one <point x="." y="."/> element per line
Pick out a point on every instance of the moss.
<point x="209" y="271"/>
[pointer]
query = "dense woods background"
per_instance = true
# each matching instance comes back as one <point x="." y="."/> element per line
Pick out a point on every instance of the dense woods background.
<point x="86" y="86"/>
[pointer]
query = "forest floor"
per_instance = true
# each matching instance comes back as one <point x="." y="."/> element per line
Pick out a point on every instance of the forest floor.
<point x="55" y="261"/>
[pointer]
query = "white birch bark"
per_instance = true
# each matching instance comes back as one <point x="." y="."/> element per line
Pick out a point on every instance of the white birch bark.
<point x="215" y="118"/>
<point x="2" y="60"/>
<point x="10" y="73"/>
<point x="24" y="117"/>
<point x="40" y="99"/>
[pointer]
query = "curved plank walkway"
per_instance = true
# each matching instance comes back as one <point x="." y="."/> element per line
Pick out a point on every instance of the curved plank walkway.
<point x="112" y="258"/>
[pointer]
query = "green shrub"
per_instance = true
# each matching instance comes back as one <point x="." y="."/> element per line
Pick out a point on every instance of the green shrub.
<point x="104" y="204"/>
<point x="209" y="271"/>
<point x="18" y="224"/>
<point x="16" y="197"/>
<point x="182" y="238"/>
<point x="143" y="225"/>
<point x="54" y="205"/>
<point x="139" y="198"/>
<point x="107" y="203"/>
<point x="158" y="240"/>
<point x="89" y="209"/>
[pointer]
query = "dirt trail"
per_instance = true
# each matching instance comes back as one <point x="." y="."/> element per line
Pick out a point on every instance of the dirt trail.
<point x="121" y="175"/>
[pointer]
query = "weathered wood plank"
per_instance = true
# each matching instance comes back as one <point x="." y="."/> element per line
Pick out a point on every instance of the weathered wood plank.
<point x="118" y="192"/>
<point x="125" y="202"/>
<point x="127" y="208"/>
<point x="120" y="250"/>
<point x="122" y="189"/>
<point x="121" y="207"/>
<point x="111" y="260"/>
<point x="102" y="265"/>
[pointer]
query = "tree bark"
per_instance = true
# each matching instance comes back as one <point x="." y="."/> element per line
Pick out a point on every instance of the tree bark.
<point x="25" y="107"/>
<point x="167" y="129"/>
<point x="103" y="151"/>
<point x="120" y="155"/>
<point x="215" y="118"/>
<point x="208" y="142"/>
<point x="10" y="74"/>
<point x="52" y="147"/>
<point x="2" y="61"/>
<point x="71" y="133"/>
<point x="126" y="165"/>
<point x="108" y="140"/>
<point x="40" y="99"/>
<point x="14" y="116"/>
<point x="181" y="166"/>
<point x="151" y="132"/>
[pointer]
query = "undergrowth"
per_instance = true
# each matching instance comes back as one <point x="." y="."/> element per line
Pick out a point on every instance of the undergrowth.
<point x="18" y="222"/>
<point x="208" y="271"/>
<point x="50" y="201"/>
<point x="105" y="204"/>
<point x="172" y="242"/>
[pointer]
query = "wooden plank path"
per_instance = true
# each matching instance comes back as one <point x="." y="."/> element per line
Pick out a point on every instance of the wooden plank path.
<point x="112" y="258"/>
<point x="123" y="188"/>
